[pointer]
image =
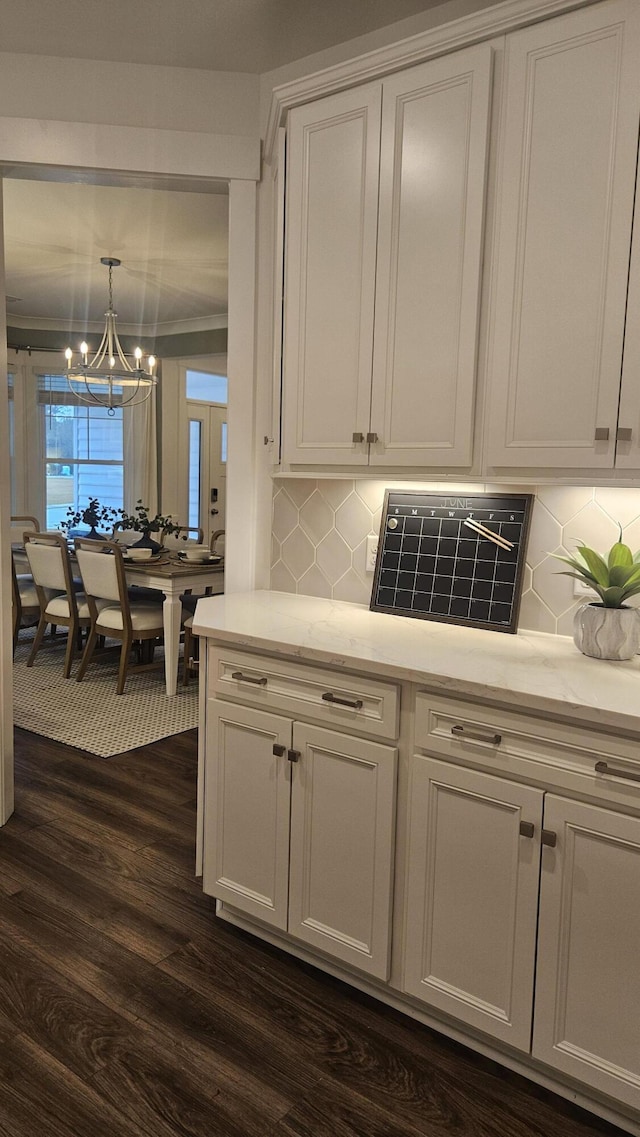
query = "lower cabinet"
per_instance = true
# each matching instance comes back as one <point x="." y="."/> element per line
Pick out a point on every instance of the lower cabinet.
<point x="519" y="911"/>
<point x="507" y="883"/>
<point x="586" y="1021"/>
<point x="300" y="831"/>
<point x="472" y="894"/>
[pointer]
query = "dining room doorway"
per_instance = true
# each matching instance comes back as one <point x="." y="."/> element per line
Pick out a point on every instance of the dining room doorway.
<point x="180" y="162"/>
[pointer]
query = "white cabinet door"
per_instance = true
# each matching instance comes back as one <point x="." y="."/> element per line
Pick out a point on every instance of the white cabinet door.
<point x="432" y="182"/>
<point x="342" y="837"/>
<point x="564" y="208"/>
<point x="587" y="1006"/>
<point x="333" y="152"/>
<point x="471" y="901"/>
<point x="628" y="446"/>
<point x="247" y="796"/>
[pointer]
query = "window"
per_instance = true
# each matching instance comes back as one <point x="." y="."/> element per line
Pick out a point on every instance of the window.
<point x="195" y="462"/>
<point x="206" y="388"/>
<point x="83" y="451"/>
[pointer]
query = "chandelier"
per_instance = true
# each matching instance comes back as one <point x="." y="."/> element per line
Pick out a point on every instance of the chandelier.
<point x="109" y="379"/>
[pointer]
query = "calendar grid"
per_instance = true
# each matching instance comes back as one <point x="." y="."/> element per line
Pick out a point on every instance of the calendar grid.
<point x="432" y="564"/>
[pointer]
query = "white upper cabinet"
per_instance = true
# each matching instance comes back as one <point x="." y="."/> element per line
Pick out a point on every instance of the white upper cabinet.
<point x="628" y="446"/>
<point x="382" y="268"/>
<point x="430" y="234"/>
<point x="565" y="192"/>
<point x="333" y="149"/>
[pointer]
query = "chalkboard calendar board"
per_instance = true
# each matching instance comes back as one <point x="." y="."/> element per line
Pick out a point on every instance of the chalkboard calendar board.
<point x="457" y="558"/>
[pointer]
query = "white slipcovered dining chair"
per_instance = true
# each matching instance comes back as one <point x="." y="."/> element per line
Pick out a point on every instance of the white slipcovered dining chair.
<point x="183" y="537"/>
<point x="112" y="613"/>
<point x="26" y="605"/>
<point x="60" y="604"/>
<point x="20" y="522"/>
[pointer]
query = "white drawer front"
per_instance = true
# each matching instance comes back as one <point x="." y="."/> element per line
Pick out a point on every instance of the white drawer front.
<point x="331" y="697"/>
<point x="563" y="755"/>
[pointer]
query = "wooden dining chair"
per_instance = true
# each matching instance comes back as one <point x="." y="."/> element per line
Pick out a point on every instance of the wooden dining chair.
<point x="20" y="522"/>
<point x="216" y="544"/>
<point x="113" y="614"/>
<point x="190" y="661"/>
<point x="59" y="602"/>
<point x="182" y="537"/>
<point x="26" y="605"/>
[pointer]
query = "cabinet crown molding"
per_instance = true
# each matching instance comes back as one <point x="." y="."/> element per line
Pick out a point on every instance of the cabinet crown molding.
<point x="494" y="21"/>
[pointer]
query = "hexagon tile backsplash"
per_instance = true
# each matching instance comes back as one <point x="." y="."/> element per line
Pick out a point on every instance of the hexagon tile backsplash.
<point x="320" y="529"/>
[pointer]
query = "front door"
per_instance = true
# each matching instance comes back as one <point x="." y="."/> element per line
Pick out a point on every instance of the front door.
<point x="207" y="466"/>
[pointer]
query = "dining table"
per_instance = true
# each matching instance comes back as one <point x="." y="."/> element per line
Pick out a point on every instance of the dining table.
<point x="172" y="574"/>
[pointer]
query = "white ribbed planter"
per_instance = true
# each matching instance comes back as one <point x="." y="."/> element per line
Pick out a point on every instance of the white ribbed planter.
<point x="607" y="633"/>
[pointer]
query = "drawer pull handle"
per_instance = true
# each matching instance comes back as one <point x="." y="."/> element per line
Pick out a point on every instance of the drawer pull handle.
<point x="260" y="681"/>
<point x="476" y="735"/>
<point x="329" y="697"/>
<point x="357" y="436"/>
<point x="527" y="828"/>
<point x="604" y="768"/>
<point x="279" y="751"/>
<point x="548" y="837"/>
<point x="293" y="755"/>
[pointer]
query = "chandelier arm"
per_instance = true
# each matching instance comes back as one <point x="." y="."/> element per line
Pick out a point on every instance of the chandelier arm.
<point x="89" y="398"/>
<point x="101" y="353"/>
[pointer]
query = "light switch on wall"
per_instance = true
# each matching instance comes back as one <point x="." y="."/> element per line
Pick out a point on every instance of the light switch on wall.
<point x="580" y="589"/>
<point x="372" y="552"/>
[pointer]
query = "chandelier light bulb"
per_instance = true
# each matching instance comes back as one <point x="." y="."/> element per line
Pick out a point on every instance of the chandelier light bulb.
<point x="138" y="353"/>
<point x="68" y="355"/>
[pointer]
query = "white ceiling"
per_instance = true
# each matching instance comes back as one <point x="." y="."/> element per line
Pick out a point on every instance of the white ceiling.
<point x="220" y="35"/>
<point x="173" y="247"/>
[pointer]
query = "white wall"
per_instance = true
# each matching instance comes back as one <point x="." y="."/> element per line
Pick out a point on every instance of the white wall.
<point x="170" y="98"/>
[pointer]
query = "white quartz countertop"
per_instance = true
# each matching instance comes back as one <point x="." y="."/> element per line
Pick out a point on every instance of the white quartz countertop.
<point x="529" y="670"/>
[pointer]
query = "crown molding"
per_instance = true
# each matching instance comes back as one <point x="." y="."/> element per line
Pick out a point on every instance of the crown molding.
<point x="146" y="331"/>
<point x="497" y="20"/>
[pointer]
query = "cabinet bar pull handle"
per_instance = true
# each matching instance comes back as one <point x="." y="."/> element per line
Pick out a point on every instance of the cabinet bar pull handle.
<point x="279" y="750"/>
<point x="476" y="735"/>
<point x="604" y="768"/>
<point x="624" y="434"/>
<point x="526" y="828"/>
<point x="293" y="755"/>
<point x="357" y="436"/>
<point x="260" y="681"/>
<point x="601" y="434"/>
<point x="372" y="436"/>
<point x="548" y="837"/>
<point x="329" y="697"/>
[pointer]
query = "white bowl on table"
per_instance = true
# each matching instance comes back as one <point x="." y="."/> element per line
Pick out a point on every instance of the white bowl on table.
<point x="197" y="553"/>
<point x="133" y="554"/>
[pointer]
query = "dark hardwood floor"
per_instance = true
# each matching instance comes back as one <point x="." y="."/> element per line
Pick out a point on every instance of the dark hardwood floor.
<point x="126" y="1008"/>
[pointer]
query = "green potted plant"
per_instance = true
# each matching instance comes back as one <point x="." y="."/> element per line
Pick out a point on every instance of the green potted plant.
<point x="607" y="628"/>
<point x="141" y="522"/>
<point x="94" y="515"/>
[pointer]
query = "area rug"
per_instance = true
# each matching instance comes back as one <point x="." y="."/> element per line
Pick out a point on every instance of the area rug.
<point x="89" y="715"/>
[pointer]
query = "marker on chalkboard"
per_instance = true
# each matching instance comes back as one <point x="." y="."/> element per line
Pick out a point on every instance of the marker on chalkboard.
<point x="489" y="534"/>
